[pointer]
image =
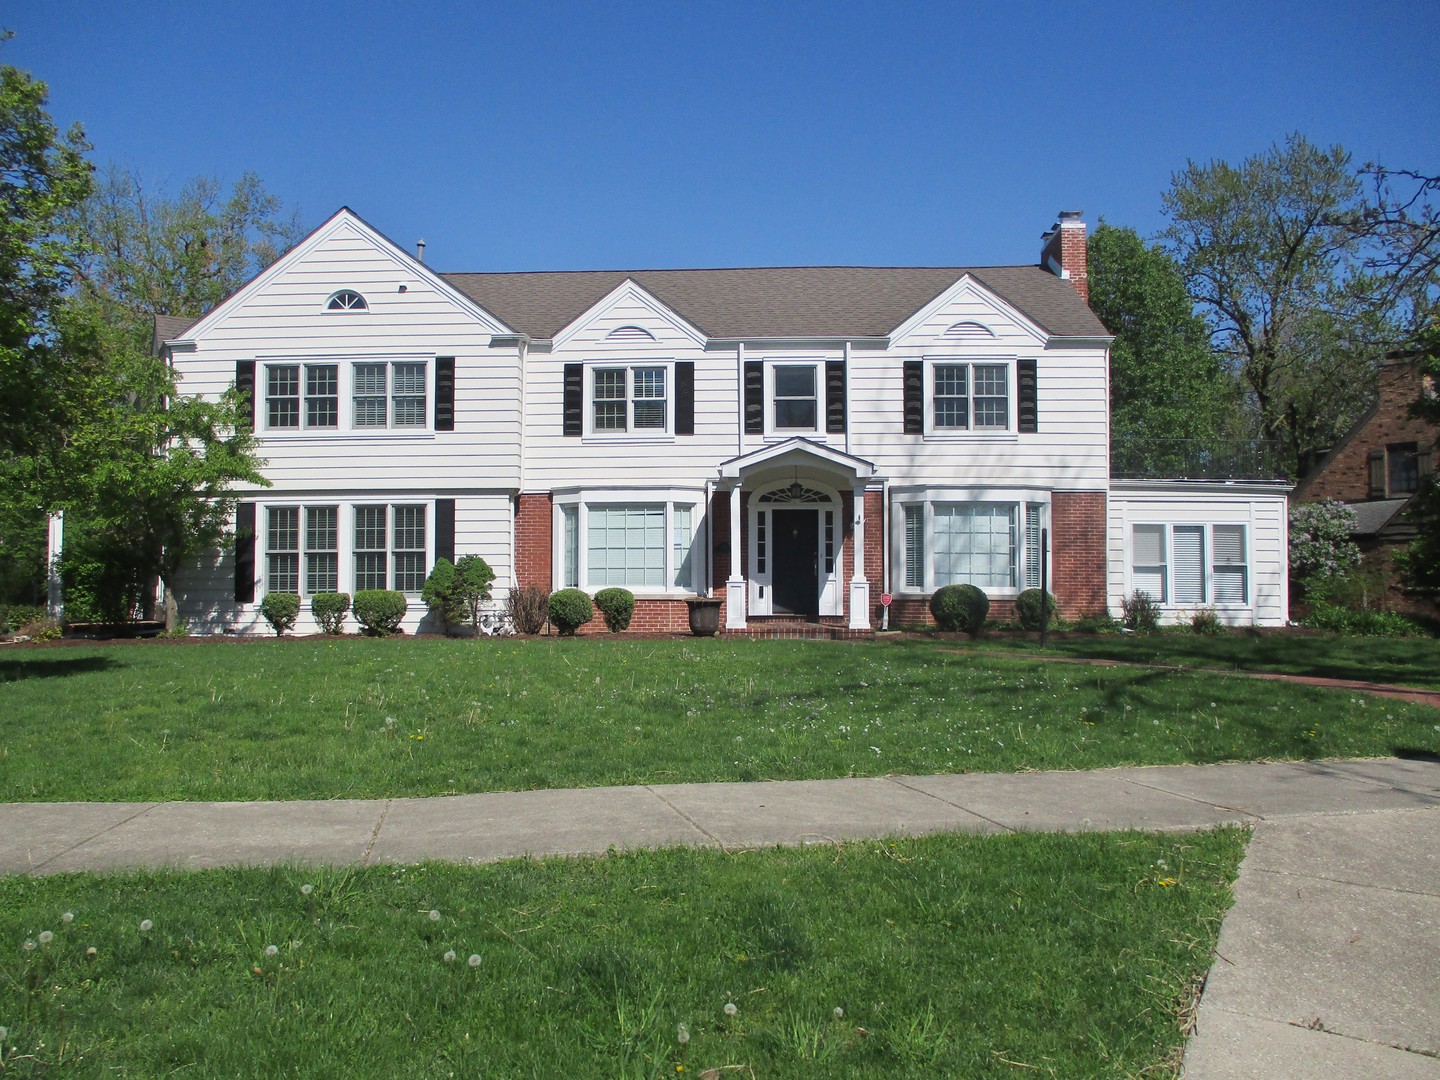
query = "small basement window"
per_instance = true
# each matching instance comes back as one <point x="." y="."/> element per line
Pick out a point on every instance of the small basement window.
<point x="346" y="300"/>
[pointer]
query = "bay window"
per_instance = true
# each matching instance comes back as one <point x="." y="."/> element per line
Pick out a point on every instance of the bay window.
<point x="993" y="545"/>
<point x="642" y="545"/>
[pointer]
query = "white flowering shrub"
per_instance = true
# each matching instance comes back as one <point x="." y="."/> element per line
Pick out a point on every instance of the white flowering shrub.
<point x="1320" y="545"/>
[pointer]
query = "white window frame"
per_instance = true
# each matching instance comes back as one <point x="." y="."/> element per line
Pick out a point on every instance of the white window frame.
<point x="1208" y="565"/>
<point x="630" y="432"/>
<point x="345" y="550"/>
<point x="571" y="563"/>
<point x="345" y="424"/>
<point x="335" y="302"/>
<point x="902" y="538"/>
<point x="817" y="366"/>
<point x="970" y="362"/>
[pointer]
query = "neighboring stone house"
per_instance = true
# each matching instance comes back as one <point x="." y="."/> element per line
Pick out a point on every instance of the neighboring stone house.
<point x="1376" y="470"/>
<point x="796" y="441"/>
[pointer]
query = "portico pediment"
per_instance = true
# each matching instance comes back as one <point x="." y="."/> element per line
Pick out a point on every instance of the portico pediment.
<point x="794" y="456"/>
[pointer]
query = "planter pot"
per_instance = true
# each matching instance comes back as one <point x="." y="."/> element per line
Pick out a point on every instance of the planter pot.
<point x="704" y="615"/>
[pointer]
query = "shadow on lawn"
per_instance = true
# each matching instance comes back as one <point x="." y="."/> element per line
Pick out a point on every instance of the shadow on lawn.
<point x="17" y="668"/>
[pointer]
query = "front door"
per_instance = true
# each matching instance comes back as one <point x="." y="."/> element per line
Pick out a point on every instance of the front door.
<point x="796" y="588"/>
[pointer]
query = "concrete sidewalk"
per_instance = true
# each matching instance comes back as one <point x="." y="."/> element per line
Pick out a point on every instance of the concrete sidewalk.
<point x="1329" y="963"/>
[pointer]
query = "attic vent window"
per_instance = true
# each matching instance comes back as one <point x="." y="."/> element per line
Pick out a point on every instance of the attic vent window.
<point x="347" y="300"/>
<point x="969" y="331"/>
<point x="629" y="333"/>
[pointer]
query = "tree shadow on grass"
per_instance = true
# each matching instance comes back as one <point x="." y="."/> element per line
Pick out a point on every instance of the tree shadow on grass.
<point x="14" y="669"/>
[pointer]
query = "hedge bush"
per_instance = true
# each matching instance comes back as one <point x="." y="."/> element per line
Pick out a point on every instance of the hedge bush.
<point x="1343" y="620"/>
<point x="529" y="608"/>
<point x="280" y="609"/>
<point x="571" y="609"/>
<point x="14" y="616"/>
<point x="1027" y="609"/>
<point x="617" y="606"/>
<point x="379" y="611"/>
<point x="1140" y="612"/>
<point x="329" y="609"/>
<point x="1206" y="622"/>
<point x="438" y="592"/>
<point x="960" y="607"/>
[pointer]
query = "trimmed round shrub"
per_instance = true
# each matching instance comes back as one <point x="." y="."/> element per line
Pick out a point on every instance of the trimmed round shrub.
<point x="329" y="609"/>
<point x="616" y="608"/>
<point x="1027" y="609"/>
<point x="960" y="607"/>
<point x="280" y="609"/>
<point x="379" y="611"/>
<point x="529" y="608"/>
<point x="570" y="609"/>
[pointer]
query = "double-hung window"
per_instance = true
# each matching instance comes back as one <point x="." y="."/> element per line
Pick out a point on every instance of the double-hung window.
<point x="390" y="394"/>
<point x="629" y="399"/>
<point x="302" y="561"/>
<point x="969" y="397"/>
<point x="389" y="550"/>
<point x="296" y="390"/>
<point x="1190" y="565"/>
<point x="794" y="397"/>
<point x="641" y="546"/>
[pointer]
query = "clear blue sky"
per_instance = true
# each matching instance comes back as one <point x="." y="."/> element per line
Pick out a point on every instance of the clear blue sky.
<point x="639" y="134"/>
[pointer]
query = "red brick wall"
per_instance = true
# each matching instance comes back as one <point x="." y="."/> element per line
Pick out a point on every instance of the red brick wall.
<point x="1077" y="545"/>
<point x="533" y="550"/>
<point x="1346" y="474"/>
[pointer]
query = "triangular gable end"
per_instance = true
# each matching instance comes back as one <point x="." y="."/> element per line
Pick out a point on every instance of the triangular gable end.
<point x="932" y="321"/>
<point x="629" y="293"/>
<point x="343" y="220"/>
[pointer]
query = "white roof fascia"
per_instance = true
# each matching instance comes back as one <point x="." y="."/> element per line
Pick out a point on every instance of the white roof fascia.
<point x="967" y="282"/>
<point x="628" y="289"/>
<point x="731" y="470"/>
<point x="345" y="218"/>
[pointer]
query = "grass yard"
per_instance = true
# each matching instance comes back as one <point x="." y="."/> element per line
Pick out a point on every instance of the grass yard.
<point x="354" y="718"/>
<point x="1401" y="661"/>
<point x="1033" y="955"/>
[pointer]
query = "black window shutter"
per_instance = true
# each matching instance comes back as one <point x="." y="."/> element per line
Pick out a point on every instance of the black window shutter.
<point x="445" y="529"/>
<point x="574" y="399"/>
<point x="754" y="397"/>
<point x="835" y="397"/>
<point x="1377" y="474"/>
<point x="685" y="397"/>
<point x="245" y="383"/>
<point x="444" y="393"/>
<point x="245" y="552"/>
<point x="1027" y="417"/>
<point x="914" y="397"/>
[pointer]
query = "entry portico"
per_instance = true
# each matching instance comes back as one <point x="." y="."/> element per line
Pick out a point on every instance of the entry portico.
<point x="792" y="497"/>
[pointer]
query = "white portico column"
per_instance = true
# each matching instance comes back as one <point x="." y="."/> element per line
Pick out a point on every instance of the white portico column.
<point x="54" y="547"/>
<point x="735" y="583"/>
<point x="859" y="584"/>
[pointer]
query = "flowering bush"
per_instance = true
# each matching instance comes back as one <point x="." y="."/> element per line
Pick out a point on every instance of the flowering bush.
<point x="1320" y="544"/>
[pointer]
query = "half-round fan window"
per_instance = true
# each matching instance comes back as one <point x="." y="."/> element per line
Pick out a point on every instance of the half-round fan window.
<point x="347" y="300"/>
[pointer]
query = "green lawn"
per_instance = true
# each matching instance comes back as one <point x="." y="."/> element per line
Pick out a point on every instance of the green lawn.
<point x="1401" y="661"/>
<point x="1003" y="956"/>
<point x="380" y="718"/>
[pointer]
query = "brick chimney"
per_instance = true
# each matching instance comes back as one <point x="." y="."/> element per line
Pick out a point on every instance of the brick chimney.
<point x="1064" y="252"/>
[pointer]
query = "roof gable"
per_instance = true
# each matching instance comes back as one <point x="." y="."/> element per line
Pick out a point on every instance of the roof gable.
<point x="626" y="309"/>
<point x="969" y="311"/>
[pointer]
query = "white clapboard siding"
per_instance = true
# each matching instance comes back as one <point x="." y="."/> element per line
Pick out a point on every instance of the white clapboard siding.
<point x="205" y="591"/>
<point x="1261" y="508"/>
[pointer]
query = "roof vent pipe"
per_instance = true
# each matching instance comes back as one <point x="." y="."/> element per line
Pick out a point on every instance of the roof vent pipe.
<point x="420" y="250"/>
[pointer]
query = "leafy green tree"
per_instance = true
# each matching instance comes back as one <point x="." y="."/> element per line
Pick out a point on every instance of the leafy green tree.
<point x="1419" y="563"/>
<point x="1272" y="252"/>
<point x="154" y="255"/>
<point x="473" y="576"/>
<point x="44" y="177"/>
<point x="1171" y="400"/>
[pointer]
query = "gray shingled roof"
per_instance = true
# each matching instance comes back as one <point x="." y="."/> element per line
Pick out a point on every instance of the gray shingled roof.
<point x="1371" y="517"/>
<point x="776" y="302"/>
<point x="168" y="328"/>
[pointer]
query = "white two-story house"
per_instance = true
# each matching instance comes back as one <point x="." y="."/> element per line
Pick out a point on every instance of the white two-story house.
<point x="800" y="442"/>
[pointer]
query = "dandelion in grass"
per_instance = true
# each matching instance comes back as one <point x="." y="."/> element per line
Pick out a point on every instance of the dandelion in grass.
<point x="90" y="953"/>
<point x="68" y="917"/>
<point x="146" y="926"/>
<point x="434" y="915"/>
<point x="730" y="1009"/>
<point x="306" y="889"/>
<point x="4" y="1033"/>
<point x="682" y="1034"/>
<point x="839" y="1013"/>
<point x="474" y="960"/>
<point x="45" y="937"/>
<point x="29" y="946"/>
<point x="272" y="950"/>
<point x="449" y="956"/>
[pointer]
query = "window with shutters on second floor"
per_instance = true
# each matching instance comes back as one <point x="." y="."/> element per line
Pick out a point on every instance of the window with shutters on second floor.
<point x="406" y="396"/>
<point x="960" y="397"/>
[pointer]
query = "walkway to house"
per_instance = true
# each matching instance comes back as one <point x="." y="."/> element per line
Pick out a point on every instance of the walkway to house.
<point x="1328" y="965"/>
